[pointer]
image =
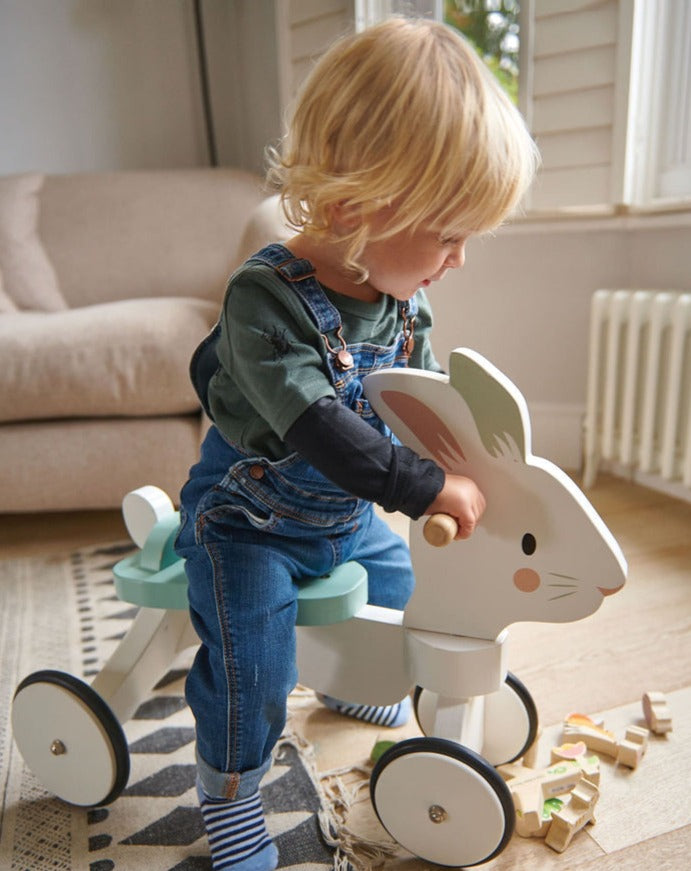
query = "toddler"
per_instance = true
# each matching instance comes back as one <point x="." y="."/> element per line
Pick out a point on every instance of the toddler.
<point x="401" y="146"/>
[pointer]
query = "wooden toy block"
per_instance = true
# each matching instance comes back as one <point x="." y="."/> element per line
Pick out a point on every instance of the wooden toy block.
<point x="578" y="752"/>
<point x="630" y="751"/>
<point x="580" y="727"/>
<point x="531" y="787"/>
<point x="573" y="816"/>
<point x="530" y="756"/>
<point x="657" y="712"/>
<point x="549" y="808"/>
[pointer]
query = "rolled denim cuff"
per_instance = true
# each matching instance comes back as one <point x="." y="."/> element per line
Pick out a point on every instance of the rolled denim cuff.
<point x="236" y="785"/>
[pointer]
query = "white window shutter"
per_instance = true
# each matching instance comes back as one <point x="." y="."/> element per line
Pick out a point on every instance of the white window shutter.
<point x="658" y="166"/>
<point x="674" y="160"/>
<point x="305" y="29"/>
<point x="578" y="76"/>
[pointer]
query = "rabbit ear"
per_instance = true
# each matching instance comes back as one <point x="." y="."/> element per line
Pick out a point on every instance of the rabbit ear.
<point x="421" y="409"/>
<point x="498" y="407"/>
<point x="428" y="427"/>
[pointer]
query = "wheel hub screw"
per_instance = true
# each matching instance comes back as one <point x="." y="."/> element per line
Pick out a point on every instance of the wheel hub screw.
<point x="57" y="748"/>
<point x="437" y="813"/>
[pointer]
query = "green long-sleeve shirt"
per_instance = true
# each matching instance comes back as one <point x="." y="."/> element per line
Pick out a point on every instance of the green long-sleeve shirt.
<point x="272" y="356"/>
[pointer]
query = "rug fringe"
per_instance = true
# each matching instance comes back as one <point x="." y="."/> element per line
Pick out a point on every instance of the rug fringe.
<point x="352" y="852"/>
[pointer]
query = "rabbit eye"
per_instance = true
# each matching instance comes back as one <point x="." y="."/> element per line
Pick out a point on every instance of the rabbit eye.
<point x="528" y="544"/>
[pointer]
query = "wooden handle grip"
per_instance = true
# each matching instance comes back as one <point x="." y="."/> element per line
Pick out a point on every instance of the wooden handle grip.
<point x="440" y="530"/>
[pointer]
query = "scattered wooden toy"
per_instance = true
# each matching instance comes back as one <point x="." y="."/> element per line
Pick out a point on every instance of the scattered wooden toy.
<point x="380" y="749"/>
<point x="657" y="712"/>
<point x="532" y="788"/>
<point x="578" y="752"/>
<point x="581" y="727"/>
<point x="555" y="803"/>
<point x="529" y="758"/>
<point x="628" y="751"/>
<point x="572" y="817"/>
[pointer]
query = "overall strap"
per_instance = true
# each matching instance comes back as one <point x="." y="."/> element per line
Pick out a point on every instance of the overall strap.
<point x="299" y="274"/>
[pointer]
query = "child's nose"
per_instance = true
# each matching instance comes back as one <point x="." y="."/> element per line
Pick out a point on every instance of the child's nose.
<point x="456" y="258"/>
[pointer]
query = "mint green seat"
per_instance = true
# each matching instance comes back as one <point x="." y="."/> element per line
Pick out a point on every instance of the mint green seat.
<point x="332" y="598"/>
<point x="154" y="577"/>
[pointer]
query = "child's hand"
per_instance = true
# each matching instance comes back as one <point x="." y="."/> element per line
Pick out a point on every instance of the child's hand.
<point x="462" y="500"/>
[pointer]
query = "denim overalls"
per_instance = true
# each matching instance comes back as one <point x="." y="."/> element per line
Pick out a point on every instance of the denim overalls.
<point x="250" y="527"/>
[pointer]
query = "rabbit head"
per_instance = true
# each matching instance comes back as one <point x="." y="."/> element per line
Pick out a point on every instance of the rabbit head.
<point x="540" y="552"/>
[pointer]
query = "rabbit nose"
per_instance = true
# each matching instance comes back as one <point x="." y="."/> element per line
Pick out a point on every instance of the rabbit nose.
<point x="607" y="591"/>
<point x="527" y="580"/>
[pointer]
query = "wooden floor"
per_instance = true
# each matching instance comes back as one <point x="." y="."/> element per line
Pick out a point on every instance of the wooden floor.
<point x="639" y="640"/>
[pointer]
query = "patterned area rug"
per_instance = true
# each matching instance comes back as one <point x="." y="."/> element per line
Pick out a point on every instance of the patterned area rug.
<point x="62" y="613"/>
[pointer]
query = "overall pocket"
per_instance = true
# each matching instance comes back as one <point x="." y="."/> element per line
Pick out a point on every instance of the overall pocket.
<point x="284" y="497"/>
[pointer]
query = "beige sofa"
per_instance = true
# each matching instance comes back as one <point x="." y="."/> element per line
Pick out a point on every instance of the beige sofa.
<point x="108" y="281"/>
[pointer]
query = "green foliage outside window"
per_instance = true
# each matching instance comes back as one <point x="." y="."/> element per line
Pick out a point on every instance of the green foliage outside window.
<point x="492" y="27"/>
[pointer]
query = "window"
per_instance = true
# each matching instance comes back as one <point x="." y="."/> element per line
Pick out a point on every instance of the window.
<point x="605" y="86"/>
<point x="493" y="28"/>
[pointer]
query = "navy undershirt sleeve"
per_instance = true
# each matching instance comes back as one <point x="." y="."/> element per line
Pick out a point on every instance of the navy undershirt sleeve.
<point x="358" y="458"/>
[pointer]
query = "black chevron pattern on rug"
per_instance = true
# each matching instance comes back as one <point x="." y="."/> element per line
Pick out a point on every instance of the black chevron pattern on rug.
<point x="183" y="825"/>
<point x="163" y="741"/>
<point x="159" y="708"/>
<point x="169" y="781"/>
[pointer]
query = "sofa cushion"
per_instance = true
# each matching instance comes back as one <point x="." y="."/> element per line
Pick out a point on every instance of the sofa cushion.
<point x="27" y="275"/>
<point x="72" y="465"/>
<point x="127" y="358"/>
<point x="135" y="234"/>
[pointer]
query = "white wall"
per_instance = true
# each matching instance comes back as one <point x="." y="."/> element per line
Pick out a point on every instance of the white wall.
<point x="243" y="71"/>
<point x="97" y="84"/>
<point x="88" y="85"/>
<point x="523" y="297"/>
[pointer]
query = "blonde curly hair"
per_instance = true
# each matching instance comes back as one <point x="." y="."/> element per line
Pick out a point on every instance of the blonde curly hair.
<point x="403" y="114"/>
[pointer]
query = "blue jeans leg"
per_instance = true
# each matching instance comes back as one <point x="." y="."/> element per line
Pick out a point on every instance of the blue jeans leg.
<point x="386" y="557"/>
<point x="243" y="607"/>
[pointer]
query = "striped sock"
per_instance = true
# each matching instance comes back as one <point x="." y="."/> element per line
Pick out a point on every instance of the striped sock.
<point x="237" y="834"/>
<point x="379" y="715"/>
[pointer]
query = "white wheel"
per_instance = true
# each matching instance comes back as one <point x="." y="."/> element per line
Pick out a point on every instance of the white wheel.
<point x="510" y="721"/>
<point x="70" y="738"/>
<point x="442" y="802"/>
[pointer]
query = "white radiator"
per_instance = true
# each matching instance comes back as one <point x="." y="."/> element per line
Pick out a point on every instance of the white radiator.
<point x="638" y="413"/>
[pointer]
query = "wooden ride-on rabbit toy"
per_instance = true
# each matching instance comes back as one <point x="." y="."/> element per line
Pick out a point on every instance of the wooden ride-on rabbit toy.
<point x="540" y="553"/>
